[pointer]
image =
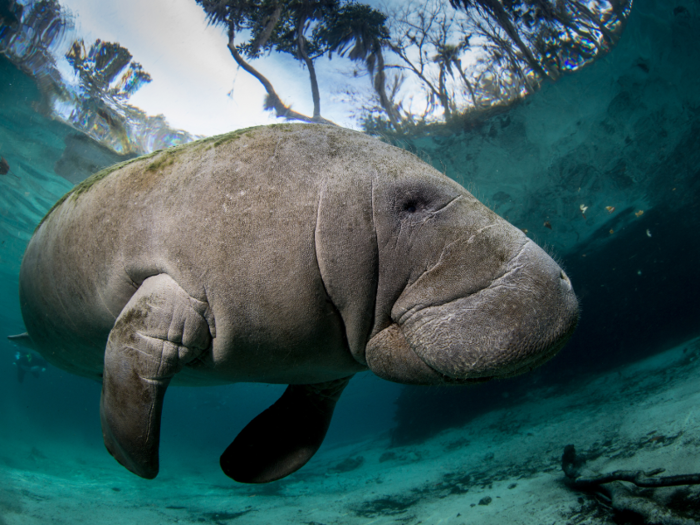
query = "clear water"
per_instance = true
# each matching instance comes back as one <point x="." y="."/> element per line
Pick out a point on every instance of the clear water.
<point x="622" y="132"/>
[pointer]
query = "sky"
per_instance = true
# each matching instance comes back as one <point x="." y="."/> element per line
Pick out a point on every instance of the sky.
<point x="196" y="83"/>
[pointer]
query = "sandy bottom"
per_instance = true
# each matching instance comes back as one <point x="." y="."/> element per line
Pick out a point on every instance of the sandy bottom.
<point x="502" y="468"/>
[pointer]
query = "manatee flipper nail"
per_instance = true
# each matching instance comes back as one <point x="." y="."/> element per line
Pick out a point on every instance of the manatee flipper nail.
<point x="284" y="437"/>
<point x="22" y="340"/>
<point x="159" y="331"/>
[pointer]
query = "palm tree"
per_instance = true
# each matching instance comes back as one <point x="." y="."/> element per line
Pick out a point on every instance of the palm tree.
<point x="446" y="58"/>
<point x="359" y="32"/>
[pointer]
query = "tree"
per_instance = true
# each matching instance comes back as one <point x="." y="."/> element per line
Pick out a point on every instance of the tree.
<point x="497" y="11"/>
<point x="306" y="29"/>
<point x="275" y="25"/>
<point x="487" y="53"/>
<point x="428" y="42"/>
<point x="99" y="67"/>
<point x="550" y="36"/>
<point x="359" y="32"/>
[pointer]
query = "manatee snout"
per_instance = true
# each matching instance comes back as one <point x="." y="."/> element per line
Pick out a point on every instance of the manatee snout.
<point x="521" y="319"/>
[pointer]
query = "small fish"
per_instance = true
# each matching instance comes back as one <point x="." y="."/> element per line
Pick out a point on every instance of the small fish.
<point x="639" y="213"/>
<point x="547" y="224"/>
<point x="648" y="233"/>
<point x="5" y="167"/>
<point x="610" y="209"/>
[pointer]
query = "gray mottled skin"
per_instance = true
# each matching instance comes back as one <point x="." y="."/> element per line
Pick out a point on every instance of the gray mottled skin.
<point x="297" y="254"/>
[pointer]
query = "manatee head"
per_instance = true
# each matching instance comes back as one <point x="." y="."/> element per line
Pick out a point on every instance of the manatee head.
<point x="463" y="296"/>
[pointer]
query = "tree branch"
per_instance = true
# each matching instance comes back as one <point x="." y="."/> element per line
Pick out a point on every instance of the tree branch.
<point x="572" y="464"/>
<point x="264" y="36"/>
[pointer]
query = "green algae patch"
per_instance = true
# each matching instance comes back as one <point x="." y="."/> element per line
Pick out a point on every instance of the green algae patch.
<point x="90" y="181"/>
<point x="219" y="140"/>
<point x="163" y="158"/>
<point x="166" y="158"/>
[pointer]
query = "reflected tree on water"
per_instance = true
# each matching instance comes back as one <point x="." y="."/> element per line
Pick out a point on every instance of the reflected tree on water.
<point x="99" y="66"/>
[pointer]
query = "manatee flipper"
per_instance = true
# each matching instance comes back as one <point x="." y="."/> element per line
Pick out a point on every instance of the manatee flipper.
<point x="285" y="436"/>
<point x="159" y="331"/>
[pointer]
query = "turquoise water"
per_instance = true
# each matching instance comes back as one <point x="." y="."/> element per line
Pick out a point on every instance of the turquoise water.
<point x="622" y="133"/>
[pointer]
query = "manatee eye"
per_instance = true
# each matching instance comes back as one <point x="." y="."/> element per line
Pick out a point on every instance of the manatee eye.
<point x="417" y="201"/>
<point x="412" y="205"/>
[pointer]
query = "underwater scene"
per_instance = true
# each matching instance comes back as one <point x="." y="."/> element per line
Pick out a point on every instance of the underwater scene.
<point x="486" y="213"/>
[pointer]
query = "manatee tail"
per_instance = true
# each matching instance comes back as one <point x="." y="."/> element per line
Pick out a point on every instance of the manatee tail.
<point x="285" y="436"/>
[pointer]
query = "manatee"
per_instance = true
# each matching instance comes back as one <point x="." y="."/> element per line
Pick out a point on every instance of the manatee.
<point x="292" y="254"/>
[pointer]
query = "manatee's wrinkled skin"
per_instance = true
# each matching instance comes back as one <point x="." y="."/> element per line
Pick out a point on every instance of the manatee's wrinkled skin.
<point x="297" y="254"/>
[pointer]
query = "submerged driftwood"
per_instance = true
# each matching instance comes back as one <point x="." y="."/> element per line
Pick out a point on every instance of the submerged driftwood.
<point x="623" y="499"/>
<point x="572" y="465"/>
